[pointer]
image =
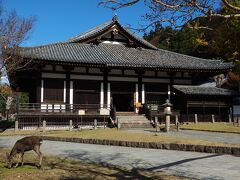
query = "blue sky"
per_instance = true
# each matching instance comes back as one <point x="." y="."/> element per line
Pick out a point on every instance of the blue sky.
<point x="58" y="20"/>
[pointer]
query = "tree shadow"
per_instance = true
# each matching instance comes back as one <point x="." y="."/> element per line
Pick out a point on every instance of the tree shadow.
<point x="86" y="168"/>
<point x="133" y="171"/>
<point x="181" y="162"/>
<point x="83" y="170"/>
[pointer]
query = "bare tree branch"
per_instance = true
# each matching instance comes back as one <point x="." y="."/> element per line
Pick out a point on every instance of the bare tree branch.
<point x="177" y="13"/>
<point x="167" y="5"/>
<point x="114" y="4"/>
<point x="230" y="6"/>
<point x="225" y="16"/>
<point x="13" y="31"/>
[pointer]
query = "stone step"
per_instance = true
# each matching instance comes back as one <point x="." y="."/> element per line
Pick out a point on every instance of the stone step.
<point x="126" y="114"/>
<point x="139" y="121"/>
<point x="131" y="119"/>
<point x="136" y="125"/>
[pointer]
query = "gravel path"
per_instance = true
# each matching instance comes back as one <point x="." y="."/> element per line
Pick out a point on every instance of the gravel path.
<point x="189" y="164"/>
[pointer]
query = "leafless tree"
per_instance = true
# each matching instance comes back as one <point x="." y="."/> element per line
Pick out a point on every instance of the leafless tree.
<point x="177" y="13"/>
<point x="13" y="31"/>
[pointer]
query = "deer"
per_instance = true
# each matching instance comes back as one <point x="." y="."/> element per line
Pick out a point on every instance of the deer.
<point x="21" y="146"/>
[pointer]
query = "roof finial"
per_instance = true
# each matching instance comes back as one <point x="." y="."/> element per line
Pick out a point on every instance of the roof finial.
<point x="115" y="17"/>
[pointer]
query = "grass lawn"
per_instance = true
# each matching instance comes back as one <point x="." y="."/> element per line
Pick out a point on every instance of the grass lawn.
<point x="224" y="127"/>
<point x="61" y="168"/>
<point x="114" y="134"/>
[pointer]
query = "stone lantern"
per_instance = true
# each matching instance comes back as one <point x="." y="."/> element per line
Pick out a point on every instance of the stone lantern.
<point x="167" y="112"/>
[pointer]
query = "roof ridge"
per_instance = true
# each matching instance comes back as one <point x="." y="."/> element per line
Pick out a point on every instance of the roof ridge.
<point x="103" y="26"/>
<point x="98" y="29"/>
<point x="43" y="45"/>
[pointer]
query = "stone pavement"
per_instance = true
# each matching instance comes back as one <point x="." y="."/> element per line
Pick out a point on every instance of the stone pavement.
<point x="189" y="164"/>
<point x="228" y="138"/>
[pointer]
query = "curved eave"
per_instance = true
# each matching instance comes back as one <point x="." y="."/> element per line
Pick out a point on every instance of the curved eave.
<point x="198" y="91"/>
<point x="121" y="66"/>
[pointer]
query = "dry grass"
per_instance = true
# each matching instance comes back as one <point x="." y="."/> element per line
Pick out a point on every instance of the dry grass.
<point x="224" y="127"/>
<point x="114" y="134"/>
<point x="61" y="168"/>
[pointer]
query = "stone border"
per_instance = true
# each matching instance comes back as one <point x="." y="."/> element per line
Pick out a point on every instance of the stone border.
<point x="153" y="145"/>
<point x="209" y="130"/>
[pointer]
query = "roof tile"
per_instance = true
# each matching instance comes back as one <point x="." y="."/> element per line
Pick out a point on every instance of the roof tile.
<point x="119" y="55"/>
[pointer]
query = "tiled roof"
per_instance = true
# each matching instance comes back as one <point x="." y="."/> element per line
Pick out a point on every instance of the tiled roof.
<point x="101" y="28"/>
<point x="91" y="32"/>
<point x="114" y="55"/>
<point x="199" y="90"/>
<point x="76" y="50"/>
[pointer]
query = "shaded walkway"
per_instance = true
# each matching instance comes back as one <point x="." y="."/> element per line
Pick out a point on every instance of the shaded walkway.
<point x="189" y="164"/>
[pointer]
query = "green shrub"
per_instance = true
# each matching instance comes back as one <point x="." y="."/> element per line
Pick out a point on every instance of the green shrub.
<point x="24" y="97"/>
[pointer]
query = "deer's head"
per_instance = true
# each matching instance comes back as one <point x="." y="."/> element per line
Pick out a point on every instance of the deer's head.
<point x="9" y="160"/>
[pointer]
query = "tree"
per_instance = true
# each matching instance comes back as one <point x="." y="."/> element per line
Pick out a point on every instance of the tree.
<point x="184" y="41"/>
<point x="176" y="13"/>
<point x="13" y="31"/>
<point x="222" y="43"/>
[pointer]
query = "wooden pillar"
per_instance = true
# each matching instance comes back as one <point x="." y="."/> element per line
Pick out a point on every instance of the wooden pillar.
<point x="140" y="86"/>
<point x="64" y="91"/>
<point x="106" y="88"/>
<point x="172" y="75"/>
<point x="101" y="95"/>
<point x="68" y="88"/>
<point x="169" y="93"/>
<point x="108" y="95"/>
<point x="137" y="98"/>
<point x="38" y="88"/>
<point x="42" y="90"/>
<point x="71" y="95"/>
<point x="143" y="93"/>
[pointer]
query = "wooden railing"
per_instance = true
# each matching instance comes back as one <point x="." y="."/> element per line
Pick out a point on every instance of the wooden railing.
<point x="59" y="108"/>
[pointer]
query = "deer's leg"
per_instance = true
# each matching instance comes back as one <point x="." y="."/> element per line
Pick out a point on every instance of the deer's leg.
<point x="22" y="159"/>
<point x="37" y="150"/>
<point x="16" y="165"/>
